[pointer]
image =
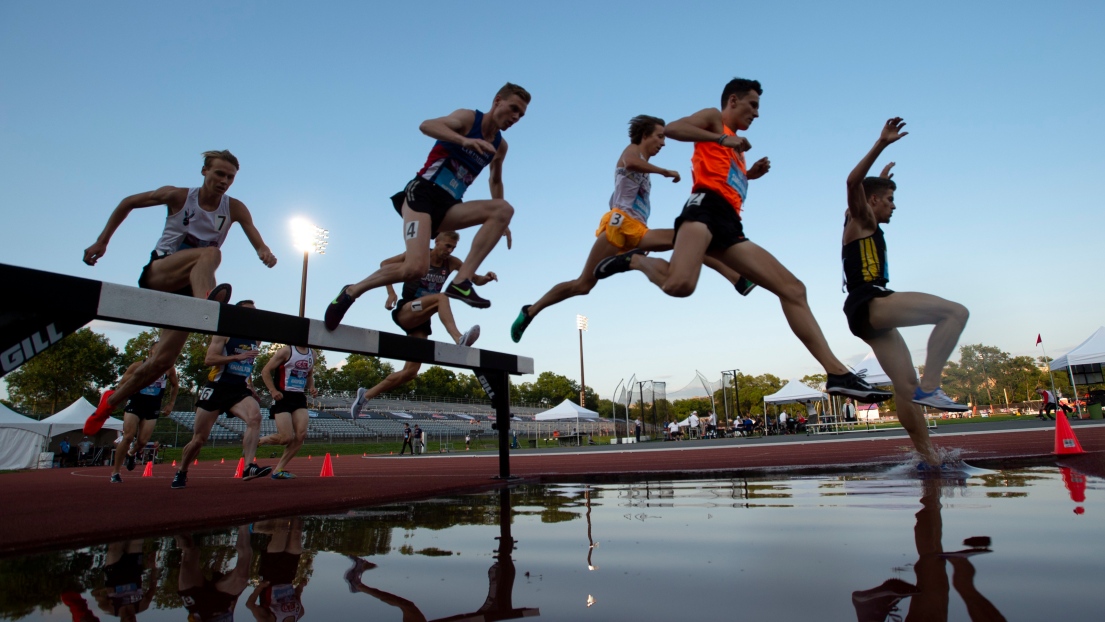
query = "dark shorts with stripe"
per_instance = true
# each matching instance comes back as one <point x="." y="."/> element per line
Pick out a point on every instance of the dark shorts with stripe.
<point x="144" y="278"/>
<point x="712" y="210"/>
<point x="293" y="401"/>
<point x="424" y="327"/>
<point x="145" y="407"/>
<point x="855" y="309"/>
<point x="425" y="197"/>
<point x="221" y="397"/>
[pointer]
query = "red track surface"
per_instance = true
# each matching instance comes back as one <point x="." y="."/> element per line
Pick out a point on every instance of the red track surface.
<point x="59" y="508"/>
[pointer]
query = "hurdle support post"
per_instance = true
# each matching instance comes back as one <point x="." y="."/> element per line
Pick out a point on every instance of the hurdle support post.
<point x="497" y="386"/>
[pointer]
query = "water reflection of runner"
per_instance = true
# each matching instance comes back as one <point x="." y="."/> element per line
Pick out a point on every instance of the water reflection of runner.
<point x="123" y="594"/>
<point x="929" y="597"/>
<point x="277" y="598"/>
<point x="212" y="600"/>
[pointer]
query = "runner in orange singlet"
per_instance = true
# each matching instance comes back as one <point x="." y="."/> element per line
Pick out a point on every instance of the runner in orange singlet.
<point x="710" y="225"/>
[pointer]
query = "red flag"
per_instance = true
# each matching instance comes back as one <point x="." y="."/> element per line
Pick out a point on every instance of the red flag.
<point x="1038" y="340"/>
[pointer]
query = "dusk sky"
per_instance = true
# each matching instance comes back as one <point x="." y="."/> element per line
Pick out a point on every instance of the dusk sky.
<point x="321" y="103"/>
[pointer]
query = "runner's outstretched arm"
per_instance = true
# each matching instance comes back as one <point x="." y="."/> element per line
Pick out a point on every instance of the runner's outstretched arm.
<point x="165" y="195"/>
<point x="858" y="209"/>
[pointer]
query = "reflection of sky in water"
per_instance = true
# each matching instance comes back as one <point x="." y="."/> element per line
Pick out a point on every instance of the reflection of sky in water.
<point x="785" y="549"/>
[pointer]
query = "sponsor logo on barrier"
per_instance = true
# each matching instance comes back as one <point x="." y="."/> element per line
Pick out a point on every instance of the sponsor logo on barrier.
<point x="486" y="387"/>
<point x="23" y="351"/>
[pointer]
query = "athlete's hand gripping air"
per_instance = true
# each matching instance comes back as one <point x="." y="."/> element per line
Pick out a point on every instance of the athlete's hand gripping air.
<point x="886" y="174"/>
<point x="759" y="168"/>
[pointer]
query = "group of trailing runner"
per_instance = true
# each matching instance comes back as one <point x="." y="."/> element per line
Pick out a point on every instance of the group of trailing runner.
<point x="709" y="232"/>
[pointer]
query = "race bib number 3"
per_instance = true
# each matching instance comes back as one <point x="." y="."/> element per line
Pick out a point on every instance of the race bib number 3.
<point x="616" y="219"/>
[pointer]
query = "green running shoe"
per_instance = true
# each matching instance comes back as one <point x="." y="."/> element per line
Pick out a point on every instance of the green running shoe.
<point x="520" y="324"/>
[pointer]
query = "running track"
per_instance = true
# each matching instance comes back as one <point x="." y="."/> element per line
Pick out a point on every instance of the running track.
<point x="62" y="508"/>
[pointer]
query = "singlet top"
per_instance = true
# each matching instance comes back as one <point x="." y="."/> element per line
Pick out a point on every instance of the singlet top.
<point x="631" y="190"/>
<point x="157" y="387"/>
<point x="454" y="168"/>
<point x="720" y="170"/>
<point x="431" y="283"/>
<point x="865" y="262"/>
<point x="194" y="227"/>
<point x="294" y="372"/>
<point x="236" y="372"/>
<point x="284" y="603"/>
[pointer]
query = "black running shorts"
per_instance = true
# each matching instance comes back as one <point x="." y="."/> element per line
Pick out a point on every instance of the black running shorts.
<point x="145" y="407"/>
<point x="425" y="197"/>
<point x="278" y="568"/>
<point x="719" y="217"/>
<point x="291" y="402"/>
<point x="143" y="279"/>
<point x="424" y="327"/>
<point x="855" y="309"/>
<point x="219" y="397"/>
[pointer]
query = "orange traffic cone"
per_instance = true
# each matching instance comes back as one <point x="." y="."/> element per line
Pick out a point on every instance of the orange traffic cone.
<point x="174" y="462"/>
<point x="241" y="467"/>
<point x="337" y="455"/>
<point x="327" y="467"/>
<point x="364" y="455"/>
<point x="148" y="472"/>
<point x="197" y="461"/>
<point x="1065" y="441"/>
<point x="223" y="460"/>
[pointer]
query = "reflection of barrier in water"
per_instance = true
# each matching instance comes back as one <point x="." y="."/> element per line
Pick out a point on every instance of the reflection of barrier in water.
<point x="928" y="598"/>
<point x="63" y="304"/>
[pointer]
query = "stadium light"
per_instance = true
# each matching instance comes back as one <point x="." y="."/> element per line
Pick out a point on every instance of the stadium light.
<point x="581" y="324"/>
<point x="310" y="239"/>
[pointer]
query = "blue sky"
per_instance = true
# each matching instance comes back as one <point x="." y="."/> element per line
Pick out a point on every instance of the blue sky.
<point x="321" y="103"/>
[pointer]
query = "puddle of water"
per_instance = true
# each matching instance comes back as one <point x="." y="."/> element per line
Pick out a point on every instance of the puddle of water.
<point x="1017" y="544"/>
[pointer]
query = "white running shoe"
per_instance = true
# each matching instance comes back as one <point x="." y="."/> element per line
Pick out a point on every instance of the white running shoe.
<point x="469" y="337"/>
<point x="938" y="400"/>
<point x="358" y="403"/>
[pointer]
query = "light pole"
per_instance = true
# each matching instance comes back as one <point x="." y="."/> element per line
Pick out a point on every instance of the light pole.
<point x="581" y="324"/>
<point x="641" y="389"/>
<point x="737" y="391"/>
<point x="307" y="238"/>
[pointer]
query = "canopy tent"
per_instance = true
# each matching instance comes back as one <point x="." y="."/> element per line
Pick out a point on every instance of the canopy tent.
<point x="793" y="392"/>
<point x="871" y="371"/>
<point x="21" y="439"/>
<point x="567" y="410"/>
<point x="73" y="418"/>
<point x="1088" y="352"/>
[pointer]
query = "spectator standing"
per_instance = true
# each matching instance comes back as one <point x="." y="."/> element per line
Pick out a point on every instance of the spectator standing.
<point x="693" y="421"/>
<point x="637" y="427"/>
<point x="467" y="441"/>
<point x="85" y="449"/>
<point x="419" y="444"/>
<point x="407" y="439"/>
<point x="783" y="422"/>
<point x="849" y="410"/>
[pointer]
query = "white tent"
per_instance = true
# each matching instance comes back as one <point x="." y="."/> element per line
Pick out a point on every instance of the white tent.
<point x="74" y="416"/>
<point x="567" y="410"/>
<point x="1089" y="351"/>
<point x="21" y="439"/>
<point x="793" y="392"/>
<point x="872" y="371"/>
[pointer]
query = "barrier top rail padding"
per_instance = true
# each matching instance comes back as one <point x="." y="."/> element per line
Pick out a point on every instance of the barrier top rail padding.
<point x="39" y="308"/>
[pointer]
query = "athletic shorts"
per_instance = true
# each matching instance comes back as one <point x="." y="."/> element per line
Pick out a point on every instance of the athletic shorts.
<point x="206" y="602"/>
<point x="855" y="309"/>
<point x="143" y="279"/>
<point x="718" y="215"/>
<point x="125" y="572"/>
<point x="424" y="327"/>
<point x="425" y="197"/>
<point x="622" y="231"/>
<point x="278" y="568"/>
<point x="292" y="402"/>
<point x="219" y="397"/>
<point x="145" y="407"/>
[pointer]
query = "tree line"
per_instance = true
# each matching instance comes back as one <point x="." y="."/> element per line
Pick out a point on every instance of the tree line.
<point x="85" y="363"/>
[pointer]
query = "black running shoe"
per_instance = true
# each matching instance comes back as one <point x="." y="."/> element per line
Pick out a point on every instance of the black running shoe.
<point x="744" y="286"/>
<point x="116" y="478"/>
<point x="336" y="310"/>
<point x="253" y="472"/>
<point x="466" y="293"/>
<point x="180" y="480"/>
<point x="520" y="324"/>
<point x="129" y="462"/>
<point x="221" y="293"/>
<point x="851" y="385"/>
<point x="613" y="265"/>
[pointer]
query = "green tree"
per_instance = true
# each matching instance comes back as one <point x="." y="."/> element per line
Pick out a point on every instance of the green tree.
<point x="190" y="366"/>
<point x="553" y="388"/>
<point x="137" y="349"/>
<point x="79" y="365"/>
<point x="359" y="371"/>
